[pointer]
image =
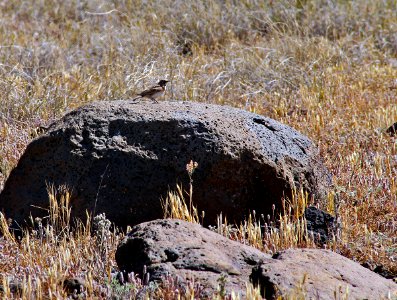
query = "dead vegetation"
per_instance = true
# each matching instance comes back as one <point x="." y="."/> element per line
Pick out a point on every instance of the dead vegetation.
<point x="326" y="68"/>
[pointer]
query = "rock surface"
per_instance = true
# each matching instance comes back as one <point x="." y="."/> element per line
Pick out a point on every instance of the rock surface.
<point x="320" y="223"/>
<point x="120" y="157"/>
<point x="15" y="288"/>
<point x="74" y="287"/>
<point x="326" y="272"/>
<point x="187" y="251"/>
<point x="392" y="130"/>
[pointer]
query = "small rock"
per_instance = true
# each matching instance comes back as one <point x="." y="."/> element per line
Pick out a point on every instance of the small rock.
<point x="73" y="286"/>
<point x="15" y="287"/>
<point x="320" y="223"/>
<point x="392" y="130"/>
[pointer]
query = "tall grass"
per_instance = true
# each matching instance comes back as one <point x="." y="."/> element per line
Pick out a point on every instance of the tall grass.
<point x="175" y="207"/>
<point x="326" y="68"/>
<point x="37" y="265"/>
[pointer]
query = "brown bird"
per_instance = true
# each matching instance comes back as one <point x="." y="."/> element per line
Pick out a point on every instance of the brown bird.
<point x="153" y="92"/>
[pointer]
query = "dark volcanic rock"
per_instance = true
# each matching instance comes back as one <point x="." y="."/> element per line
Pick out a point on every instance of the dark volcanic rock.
<point x="187" y="251"/>
<point x="15" y="287"/>
<point x="381" y="270"/>
<point x="320" y="223"/>
<point x="73" y="287"/>
<point x="119" y="157"/>
<point x="327" y="274"/>
<point x="392" y="130"/>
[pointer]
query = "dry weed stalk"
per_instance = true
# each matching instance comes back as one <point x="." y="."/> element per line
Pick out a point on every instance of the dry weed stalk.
<point x="175" y="207"/>
<point x="59" y="209"/>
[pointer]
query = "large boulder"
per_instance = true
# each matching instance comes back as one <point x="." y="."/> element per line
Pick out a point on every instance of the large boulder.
<point x="120" y="157"/>
<point x="319" y="274"/>
<point x="187" y="251"/>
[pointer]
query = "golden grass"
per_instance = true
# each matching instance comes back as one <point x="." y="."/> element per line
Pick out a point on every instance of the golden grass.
<point x="175" y="207"/>
<point x="326" y="68"/>
<point x="53" y="251"/>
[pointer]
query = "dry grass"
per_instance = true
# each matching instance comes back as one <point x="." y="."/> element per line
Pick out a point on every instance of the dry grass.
<point x="35" y="266"/>
<point x="175" y="207"/>
<point x="326" y="68"/>
<point x="273" y="233"/>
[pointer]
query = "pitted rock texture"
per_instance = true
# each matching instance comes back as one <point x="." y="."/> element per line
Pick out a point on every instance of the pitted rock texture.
<point x="321" y="224"/>
<point x="187" y="251"/>
<point x="322" y="274"/>
<point x="120" y="157"/>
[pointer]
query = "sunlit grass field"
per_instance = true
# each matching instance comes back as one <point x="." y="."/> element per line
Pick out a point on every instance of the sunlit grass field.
<point x="325" y="68"/>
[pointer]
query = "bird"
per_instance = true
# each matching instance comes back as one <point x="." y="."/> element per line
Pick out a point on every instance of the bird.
<point x="153" y="92"/>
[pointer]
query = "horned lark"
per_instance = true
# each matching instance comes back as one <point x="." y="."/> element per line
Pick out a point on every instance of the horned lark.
<point x="153" y="92"/>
